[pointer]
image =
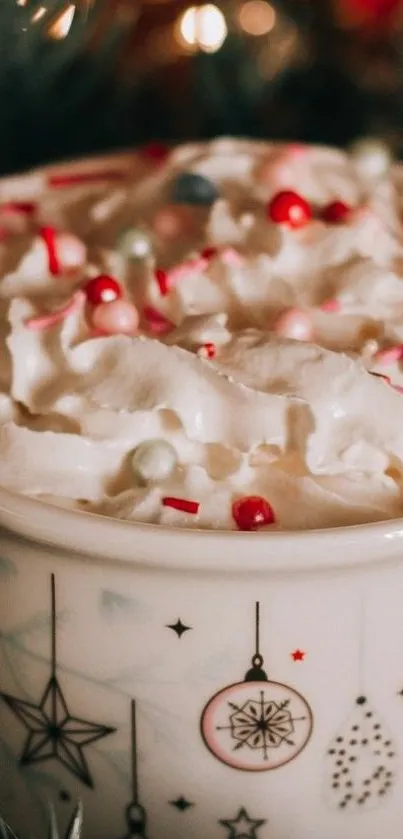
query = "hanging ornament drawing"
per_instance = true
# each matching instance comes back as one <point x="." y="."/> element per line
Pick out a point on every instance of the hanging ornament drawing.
<point x="54" y="733"/>
<point x="361" y="758"/>
<point x="135" y="813"/>
<point x="256" y="725"/>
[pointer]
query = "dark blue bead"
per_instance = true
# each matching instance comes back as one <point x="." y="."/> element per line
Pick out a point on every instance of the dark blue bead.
<point x="191" y="188"/>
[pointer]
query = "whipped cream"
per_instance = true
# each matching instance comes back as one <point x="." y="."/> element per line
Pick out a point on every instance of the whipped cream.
<point x="246" y="411"/>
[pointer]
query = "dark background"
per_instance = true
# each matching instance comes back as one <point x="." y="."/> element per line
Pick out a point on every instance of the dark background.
<point x="81" y="76"/>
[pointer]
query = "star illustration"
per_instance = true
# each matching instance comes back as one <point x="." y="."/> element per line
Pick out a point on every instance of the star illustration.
<point x="182" y="804"/>
<point x="298" y="655"/>
<point x="179" y="627"/>
<point x="242" y="827"/>
<point x="54" y="733"/>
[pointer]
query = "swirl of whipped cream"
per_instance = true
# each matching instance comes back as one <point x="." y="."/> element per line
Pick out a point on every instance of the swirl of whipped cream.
<point x="305" y="426"/>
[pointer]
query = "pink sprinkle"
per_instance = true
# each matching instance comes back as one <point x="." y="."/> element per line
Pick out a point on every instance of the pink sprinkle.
<point x="52" y="318"/>
<point x="398" y="388"/>
<point x="330" y="306"/>
<point x="158" y="323"/>
<point x="296" y="150"/>
<point x="181" y="504"/>
<point x="58" y="181"/>
<point x="231" y="257"/>
<point x="389" y="355"/>
<point x="208" y="350"/>
<point x="162" y="280"/>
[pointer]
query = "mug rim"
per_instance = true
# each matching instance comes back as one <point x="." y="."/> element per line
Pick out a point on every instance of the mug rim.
<point x="166" y="548"/>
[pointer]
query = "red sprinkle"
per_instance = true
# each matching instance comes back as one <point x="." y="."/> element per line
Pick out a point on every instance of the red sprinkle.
<point x="155" y="151"/>
<point x="208" y="350"/>
<point x="162" y="280"/>
<point x="48" y="235"/>
<point x="181" y="504"/>
<point x="85" y="178"/>
<point x="209" y="253"/>
<point x="288" y="207"/>
<point x="24" y="208"/>
<point x="336" y="212"/>
<point x="157" y="322"/>
<point x="252" y="512"/>
<point x="102" y="289"/>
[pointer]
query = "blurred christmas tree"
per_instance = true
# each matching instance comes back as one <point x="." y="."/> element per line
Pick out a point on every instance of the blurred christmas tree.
<point x="80" y="76"/>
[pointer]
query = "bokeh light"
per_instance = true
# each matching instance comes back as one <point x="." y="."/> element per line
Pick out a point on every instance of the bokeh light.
<point x="202" y="28"/>
<point x="256" y="17"/>
<point x="60" y="28"/>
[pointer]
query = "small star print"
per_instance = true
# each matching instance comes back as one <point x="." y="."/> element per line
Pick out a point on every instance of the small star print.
<point x="298" y="655"/>
<point x="242" y="827"/>
<point x="181" y="804"/>
<point x="179" y="627"/>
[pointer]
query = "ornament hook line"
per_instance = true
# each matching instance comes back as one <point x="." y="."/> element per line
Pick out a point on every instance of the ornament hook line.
<point x="53" y="625"/>
<point x="135" y="786"/>
<point x="257" y="659"/>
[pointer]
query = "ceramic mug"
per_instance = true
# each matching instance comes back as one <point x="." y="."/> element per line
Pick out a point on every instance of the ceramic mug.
<point x="188" y="684"/>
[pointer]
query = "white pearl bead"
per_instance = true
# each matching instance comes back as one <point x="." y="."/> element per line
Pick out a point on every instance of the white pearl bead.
<point x="134" y="244"/>
<point x="154" y="460"/>
<point x="372" y="157"/>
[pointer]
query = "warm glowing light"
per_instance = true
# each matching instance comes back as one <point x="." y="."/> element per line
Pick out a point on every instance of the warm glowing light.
<point x="203" y="27"/>
<point x="256" y="17"/>
<point x="61" y="27"/>
<point x="38" y="14"/>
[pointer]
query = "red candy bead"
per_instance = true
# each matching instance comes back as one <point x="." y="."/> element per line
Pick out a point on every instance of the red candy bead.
<point x="288" y="207"/>
<point x="252" y="512"/>
<point x="102" y="289"/>
<point x="336" y="212"/>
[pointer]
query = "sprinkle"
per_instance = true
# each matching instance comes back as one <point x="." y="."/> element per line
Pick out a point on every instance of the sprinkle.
<point x="182" y="504"/>
<point x="58" y="181"/>
<point x="208" y="350"/>
<point x="389" y="355"/>
<point x="231" y="257"/>
<point x="158" y="152"/>
<point x="209" y="253"/>
<point x="162" y="280"/>
<point x="49" y="237"/>
<point x="52" y="318"/>
<point x="158" y="323"/>
<point x="398" y="388"/>
<point x="24" y="208"/>
<point x="330" y="306"/>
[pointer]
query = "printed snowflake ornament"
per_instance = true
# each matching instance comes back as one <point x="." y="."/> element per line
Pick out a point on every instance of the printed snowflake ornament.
<point x="360" y="761"/>
<point x="257" y="724"/>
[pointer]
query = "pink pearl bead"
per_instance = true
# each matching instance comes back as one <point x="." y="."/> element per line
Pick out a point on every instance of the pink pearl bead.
<point x="71" y="253"/>
<point x="294" y="323"/>
<point x="116" y="318"/>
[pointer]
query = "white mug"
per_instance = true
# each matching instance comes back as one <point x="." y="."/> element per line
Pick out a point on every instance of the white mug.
<point x="199" y="685"/>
